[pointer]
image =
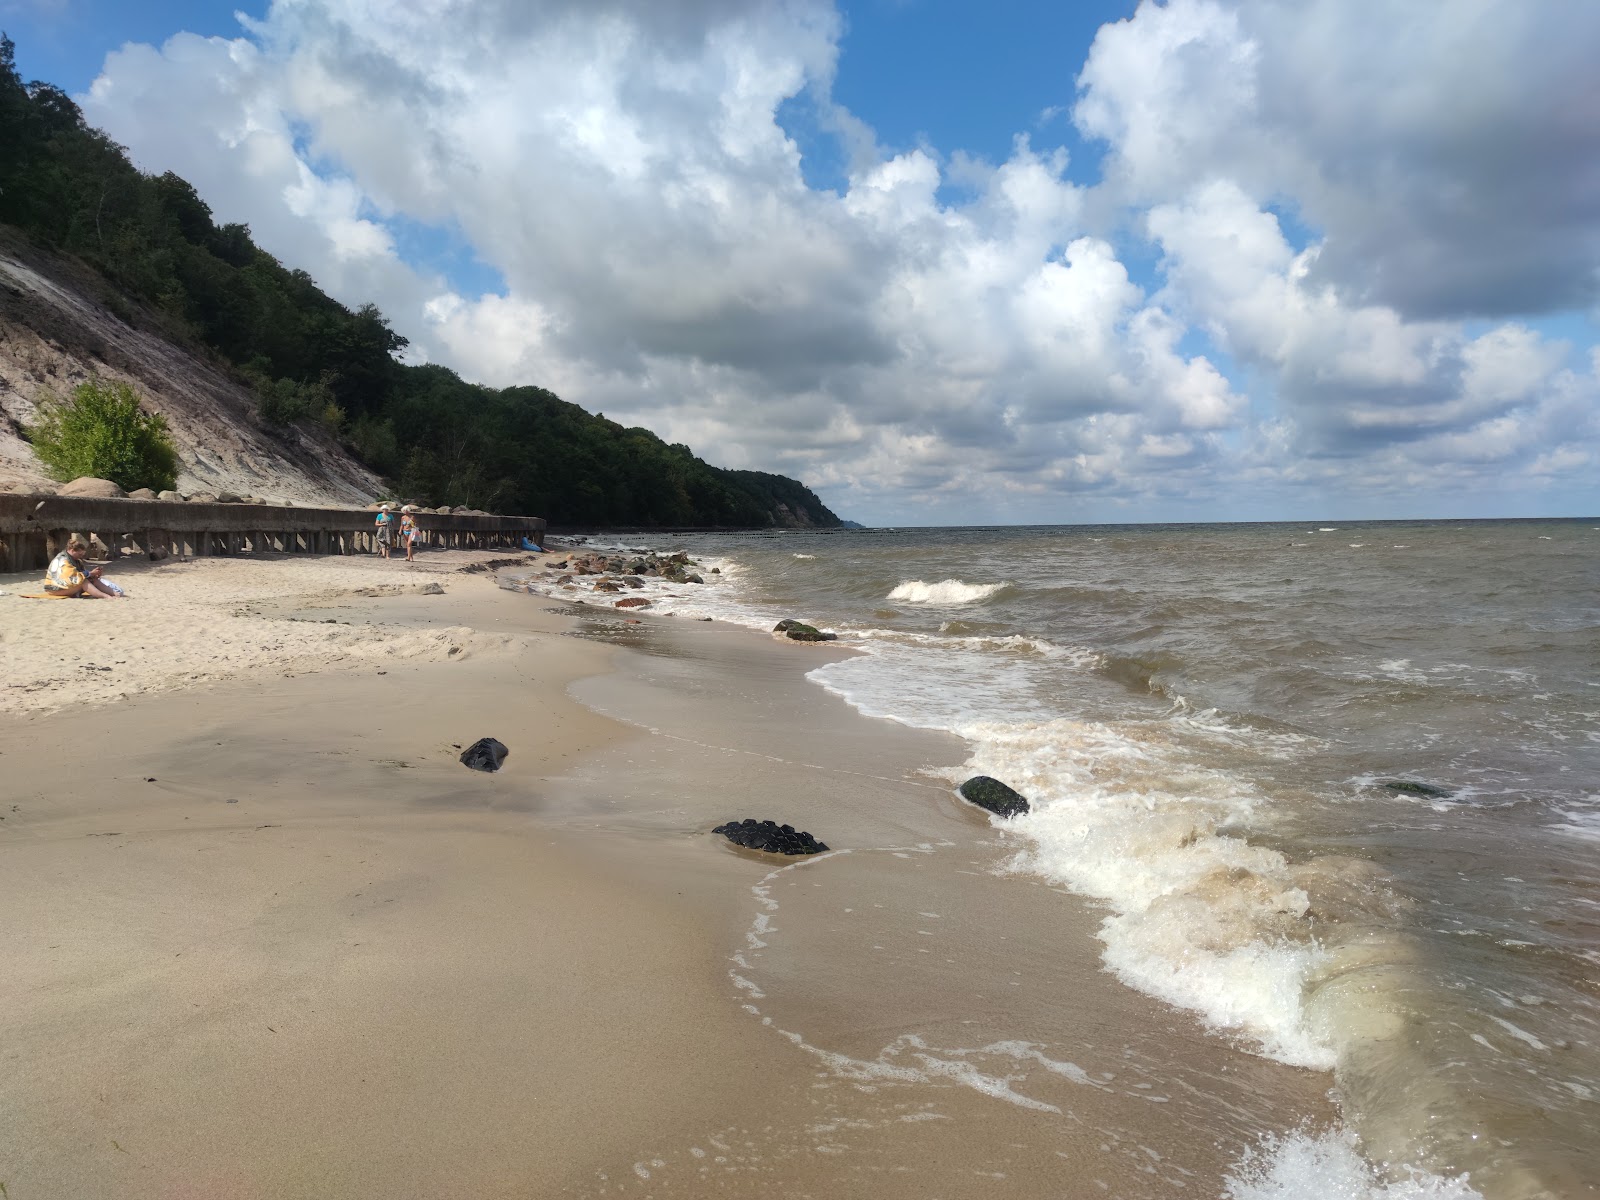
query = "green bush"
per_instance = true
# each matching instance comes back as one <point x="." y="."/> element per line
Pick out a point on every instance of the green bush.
<point x="102" y="432"/>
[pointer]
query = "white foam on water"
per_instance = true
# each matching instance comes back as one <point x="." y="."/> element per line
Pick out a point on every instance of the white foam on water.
<point x="1328" y="1166"/>
<point x="806" y="557"/>
<point x="1199" y="918"/>
<point x="945" y="592"/>
<point x="1580" y="823"/>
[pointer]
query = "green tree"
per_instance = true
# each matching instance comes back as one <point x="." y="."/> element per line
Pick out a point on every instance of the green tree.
<point x="102" y="432"/>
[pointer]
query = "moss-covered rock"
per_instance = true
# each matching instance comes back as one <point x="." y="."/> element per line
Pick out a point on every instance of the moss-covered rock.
<point x="993" y="795"/>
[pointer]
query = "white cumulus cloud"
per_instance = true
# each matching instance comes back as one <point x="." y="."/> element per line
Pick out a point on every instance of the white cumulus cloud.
<point x="1359" y="216"/>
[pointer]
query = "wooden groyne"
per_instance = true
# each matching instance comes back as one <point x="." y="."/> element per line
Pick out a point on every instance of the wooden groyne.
<point x="34" y="528"/>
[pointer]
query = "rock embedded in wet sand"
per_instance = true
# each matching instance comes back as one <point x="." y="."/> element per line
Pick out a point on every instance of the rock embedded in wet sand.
<point x="799" y="631"/>
<point x="993" y="795"/>
<point x="770" y="837"/>
<point x="485" y="754"/>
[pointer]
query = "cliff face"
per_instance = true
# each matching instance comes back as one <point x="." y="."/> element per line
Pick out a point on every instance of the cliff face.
<point x="56" y="330"/>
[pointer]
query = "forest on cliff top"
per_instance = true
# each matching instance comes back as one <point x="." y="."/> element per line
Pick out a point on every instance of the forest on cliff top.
<point x="71" y="189"/>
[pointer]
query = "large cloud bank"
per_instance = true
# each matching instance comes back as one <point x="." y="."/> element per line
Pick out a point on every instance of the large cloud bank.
<point x="1353" y="229"/>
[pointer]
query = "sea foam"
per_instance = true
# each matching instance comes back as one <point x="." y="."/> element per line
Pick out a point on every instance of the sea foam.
<point x="945" y="592"/>
<point x="1330" y="1167"/>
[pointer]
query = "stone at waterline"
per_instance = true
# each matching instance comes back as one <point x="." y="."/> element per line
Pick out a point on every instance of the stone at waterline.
<point x="1412" y="787"/>
<point x="993" y="795"/>
<point x="799" y="631"/>
<point x="770" y="836"/>
<point x="633" y="602"/>
<point x="485" y="754"/>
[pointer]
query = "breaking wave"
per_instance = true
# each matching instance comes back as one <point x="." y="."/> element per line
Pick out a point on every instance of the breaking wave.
<point x="946" y="592"/>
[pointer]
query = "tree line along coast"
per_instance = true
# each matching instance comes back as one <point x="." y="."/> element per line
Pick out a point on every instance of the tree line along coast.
<point x="167" y="267"/>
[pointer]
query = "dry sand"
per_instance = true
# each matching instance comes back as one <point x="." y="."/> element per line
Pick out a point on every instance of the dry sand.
<point x="266" y="937"/>
<point x="206" y="620"/>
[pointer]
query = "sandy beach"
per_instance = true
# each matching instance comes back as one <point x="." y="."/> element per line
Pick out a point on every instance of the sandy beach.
<point x="267" y="937"/>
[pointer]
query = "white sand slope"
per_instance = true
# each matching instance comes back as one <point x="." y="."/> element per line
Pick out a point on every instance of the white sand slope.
<point x="56" y="331"/>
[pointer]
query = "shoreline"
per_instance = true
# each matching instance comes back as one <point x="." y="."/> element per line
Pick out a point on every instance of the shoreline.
<point x="377" y="970"/>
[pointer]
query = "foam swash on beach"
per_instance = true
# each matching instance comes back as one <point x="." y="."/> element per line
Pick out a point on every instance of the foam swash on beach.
<point x="1345" y="835"/>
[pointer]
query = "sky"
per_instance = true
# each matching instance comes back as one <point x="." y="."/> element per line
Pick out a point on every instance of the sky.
<point x="946" y="263"/>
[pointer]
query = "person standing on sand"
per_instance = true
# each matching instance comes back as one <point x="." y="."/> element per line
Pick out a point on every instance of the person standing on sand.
<point x="385" y="527"/>
<point x="68" y="576"/>
<point x="408" y="530"/>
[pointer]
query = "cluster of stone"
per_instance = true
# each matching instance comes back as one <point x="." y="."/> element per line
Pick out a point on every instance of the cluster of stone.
<point x="620" y="572"/>
<point x="444" y="510"/>
<point x="91" y="488"/>
<point x="770" y="836"/>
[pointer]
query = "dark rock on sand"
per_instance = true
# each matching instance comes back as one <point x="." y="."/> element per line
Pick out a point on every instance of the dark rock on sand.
<point x="769" y="836"/>
<point x="432" y="589"/>
<point x="799" y="631"/>
<point x="993" y="795"/>
<point x="1411" y="787"/>
<point x="485" y="754"/>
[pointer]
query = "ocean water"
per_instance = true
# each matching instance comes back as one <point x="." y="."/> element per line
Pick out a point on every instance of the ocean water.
<point x="1334" y="787"/>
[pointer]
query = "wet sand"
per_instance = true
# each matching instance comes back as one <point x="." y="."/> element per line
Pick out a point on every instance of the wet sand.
<point x="375" y="972"/>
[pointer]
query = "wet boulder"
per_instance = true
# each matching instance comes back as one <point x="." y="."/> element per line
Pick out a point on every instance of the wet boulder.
<point x="993" y="795"/>
<point x="485" y="754"/>
<point x="770" y="836"/>
<point x="633" y="602"/>
<point x="799" y="631"/>
<point x="1413" y="787"/>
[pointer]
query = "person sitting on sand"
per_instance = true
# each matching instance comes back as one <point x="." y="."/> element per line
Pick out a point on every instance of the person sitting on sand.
<point x="69" y="576"/>
<point x="385" y="526"/>
<point x="408" y="530"/>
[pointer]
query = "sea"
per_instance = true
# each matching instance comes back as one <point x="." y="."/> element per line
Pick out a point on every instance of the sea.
<point x="1332" y="787"/>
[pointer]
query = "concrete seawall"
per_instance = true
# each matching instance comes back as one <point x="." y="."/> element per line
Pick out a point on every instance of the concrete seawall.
<point x="33" y="528"/>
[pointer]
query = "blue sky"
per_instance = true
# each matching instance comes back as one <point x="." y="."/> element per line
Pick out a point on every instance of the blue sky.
<point x="945" y="262"/>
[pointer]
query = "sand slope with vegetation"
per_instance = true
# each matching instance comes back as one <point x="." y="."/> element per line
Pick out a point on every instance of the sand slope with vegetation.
<point x="60" y="323"/>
